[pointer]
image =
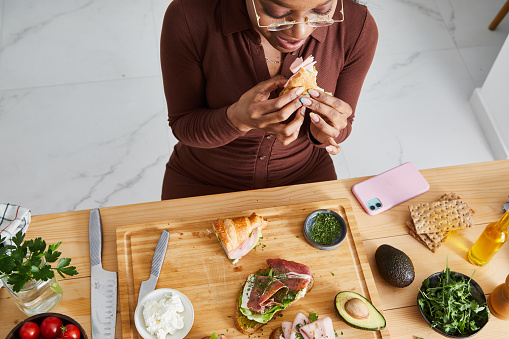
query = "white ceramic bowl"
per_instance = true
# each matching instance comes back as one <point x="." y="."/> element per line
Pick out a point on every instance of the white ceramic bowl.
<point x="159" y="294"/>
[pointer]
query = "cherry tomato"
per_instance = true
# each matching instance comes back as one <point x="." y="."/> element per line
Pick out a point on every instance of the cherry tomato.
<point x="50" y="327"/>
<point x="29" y="330"/>
<point x="70" y="331"/>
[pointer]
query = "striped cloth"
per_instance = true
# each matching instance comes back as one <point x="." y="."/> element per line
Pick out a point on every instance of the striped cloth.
<point x="13" y="218"/>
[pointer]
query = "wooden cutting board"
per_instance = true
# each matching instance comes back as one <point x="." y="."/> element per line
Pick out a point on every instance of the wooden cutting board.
<point x="196" y="265"/>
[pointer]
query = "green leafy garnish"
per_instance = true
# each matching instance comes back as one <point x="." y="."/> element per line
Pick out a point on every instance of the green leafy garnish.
<point x="450" y="305"/>
<point x="29" y="260"/>
<point x="313" y="316"/>
<point x="214" y="336"/>
<point x="325" y="230"/>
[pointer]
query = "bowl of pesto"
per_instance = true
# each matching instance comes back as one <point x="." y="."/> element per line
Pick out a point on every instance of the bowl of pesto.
<point x="324" y="229"/>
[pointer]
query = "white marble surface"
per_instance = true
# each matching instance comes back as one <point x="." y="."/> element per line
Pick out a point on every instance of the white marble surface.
<point x="82" y="111"/>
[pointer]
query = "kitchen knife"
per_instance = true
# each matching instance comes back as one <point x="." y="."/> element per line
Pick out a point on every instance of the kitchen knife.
<point x="157" y="263"/>
<point x="103" y="284"/>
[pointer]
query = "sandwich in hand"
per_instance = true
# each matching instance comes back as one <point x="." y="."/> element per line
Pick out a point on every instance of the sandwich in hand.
<point x="305" y="328"/>
<point x="238" y="236"/>
<point x="304" y="75"/>
<point x="270" y="291"/>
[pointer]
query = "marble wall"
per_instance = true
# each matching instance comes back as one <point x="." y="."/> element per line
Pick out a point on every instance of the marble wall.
<point x="83" y="117"/>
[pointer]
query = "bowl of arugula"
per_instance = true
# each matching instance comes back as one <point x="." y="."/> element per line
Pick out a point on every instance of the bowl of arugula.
<point x="453" y="304"/>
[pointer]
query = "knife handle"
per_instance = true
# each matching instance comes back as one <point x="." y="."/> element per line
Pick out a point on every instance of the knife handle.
<point x="159" y="253"/>
<point x="95" y="237"/>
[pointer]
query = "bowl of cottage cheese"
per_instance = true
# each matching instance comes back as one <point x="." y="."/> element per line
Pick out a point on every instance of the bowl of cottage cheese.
<point x="164" y="313"/>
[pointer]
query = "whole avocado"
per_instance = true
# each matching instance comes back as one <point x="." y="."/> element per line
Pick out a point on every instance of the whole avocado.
<point x="394" y="266"/>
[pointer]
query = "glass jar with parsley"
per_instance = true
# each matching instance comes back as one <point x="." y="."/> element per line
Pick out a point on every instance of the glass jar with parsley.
<point x="27" y="273"/>
<point x="36" y="296"/>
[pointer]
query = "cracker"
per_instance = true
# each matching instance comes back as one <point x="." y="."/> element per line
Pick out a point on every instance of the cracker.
<point x="441" y="216"/>
<point x="438" y="236"/>
<point x="423" y="238"/>
<point x="428" y="238"/>
<point x="453" y="196"/>
<point x="449" y="197"/>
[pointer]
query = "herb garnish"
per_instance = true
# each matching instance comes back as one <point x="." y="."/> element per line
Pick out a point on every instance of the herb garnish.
<point x="450" y="306"/>
<point x="29" y="260"/>
<point x="325" y="229"/>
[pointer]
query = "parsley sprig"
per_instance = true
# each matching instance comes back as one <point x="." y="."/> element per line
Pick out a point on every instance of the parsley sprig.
<point x="450" y="305"/>
<point x="30" y="260"/>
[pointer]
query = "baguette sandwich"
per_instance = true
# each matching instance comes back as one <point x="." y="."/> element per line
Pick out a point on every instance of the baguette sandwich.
<point x="270" y="291"/>
<point x="306" y="328"/>
<point x="304" y="75"/>
<point x="238" y="236"/>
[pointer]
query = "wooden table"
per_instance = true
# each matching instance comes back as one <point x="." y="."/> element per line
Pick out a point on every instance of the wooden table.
<point x="484" y="186"/>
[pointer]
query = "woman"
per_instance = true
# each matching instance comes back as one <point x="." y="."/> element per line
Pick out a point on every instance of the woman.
<point x="223" y="62"/>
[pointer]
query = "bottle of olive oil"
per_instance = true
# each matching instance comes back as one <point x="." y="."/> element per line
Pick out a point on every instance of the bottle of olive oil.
<point x="490" y="241"/>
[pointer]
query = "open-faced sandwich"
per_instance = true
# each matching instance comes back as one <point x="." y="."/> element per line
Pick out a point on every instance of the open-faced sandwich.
<point x="269" y="291"/>
<point x="304" y="75"/>
<point x="304" y="327"/>
<point x="238" y="236"/>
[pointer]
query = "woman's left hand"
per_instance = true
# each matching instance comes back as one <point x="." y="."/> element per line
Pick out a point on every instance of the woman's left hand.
<point x="328" y="117"/>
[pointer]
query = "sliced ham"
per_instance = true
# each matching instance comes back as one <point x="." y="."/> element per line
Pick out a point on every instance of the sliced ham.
<point x="288" y="267"/>
<point x="300" y="319"/>
<point x="298" y="64"/>
<point x="263" y="292"/>
<point x="245" y="247"/>
<point x="296" y="276"/>
<point x="286" y="326"/>
<point x="306" y="64"/>
<point x="320" y="329"/>
<point x="291" y="330"/>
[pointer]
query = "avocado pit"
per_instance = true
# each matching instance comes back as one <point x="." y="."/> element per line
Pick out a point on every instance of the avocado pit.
<point x="356" y="308"/>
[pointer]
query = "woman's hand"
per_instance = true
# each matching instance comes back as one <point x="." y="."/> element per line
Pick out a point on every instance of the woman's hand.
<point x="255" y="110"/>
<point x="328" y="117"/>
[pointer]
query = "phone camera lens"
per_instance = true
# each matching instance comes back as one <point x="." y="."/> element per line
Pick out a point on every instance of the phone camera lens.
<point x="378" y="205"/>
<point x="372" y="207"/>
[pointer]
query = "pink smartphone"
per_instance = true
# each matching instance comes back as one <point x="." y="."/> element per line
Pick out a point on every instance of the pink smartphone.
<point x="390" y="188"/>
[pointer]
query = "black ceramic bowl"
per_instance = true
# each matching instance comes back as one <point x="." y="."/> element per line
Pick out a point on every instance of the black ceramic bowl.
<point x="38" y="318"/>
<point x="310" y="221"/>
<point x="476" y="292"/>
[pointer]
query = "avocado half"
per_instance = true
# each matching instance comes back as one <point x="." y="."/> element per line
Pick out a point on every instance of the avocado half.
<point x="358" y="311"/>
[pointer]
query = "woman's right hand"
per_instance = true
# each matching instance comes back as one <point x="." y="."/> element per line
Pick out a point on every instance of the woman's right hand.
<point x="254" y="110"/>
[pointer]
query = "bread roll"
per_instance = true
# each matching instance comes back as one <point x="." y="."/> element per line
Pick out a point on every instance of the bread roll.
<point x="232" y="232"/>
<point x="303" y="78"/>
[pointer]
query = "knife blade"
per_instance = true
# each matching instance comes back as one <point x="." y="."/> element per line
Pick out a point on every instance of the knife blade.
<point x="157" y="263"/>
<point x="103" y="284"/>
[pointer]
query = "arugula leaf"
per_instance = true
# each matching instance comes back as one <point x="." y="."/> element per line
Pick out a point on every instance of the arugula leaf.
<point x="23" y="261"/>
<point x="450" y="305"/>
<point x="313" y="316"/>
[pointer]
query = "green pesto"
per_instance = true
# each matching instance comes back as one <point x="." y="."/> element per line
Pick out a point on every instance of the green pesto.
<point x="325" y="229"/>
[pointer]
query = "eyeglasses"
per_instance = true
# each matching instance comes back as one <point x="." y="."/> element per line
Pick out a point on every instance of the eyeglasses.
<point x="282" y="25"/>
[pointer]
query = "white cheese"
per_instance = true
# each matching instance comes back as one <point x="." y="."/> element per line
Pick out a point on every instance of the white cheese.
<point x="246" y="293"/>
<point x="162" y="317"/>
